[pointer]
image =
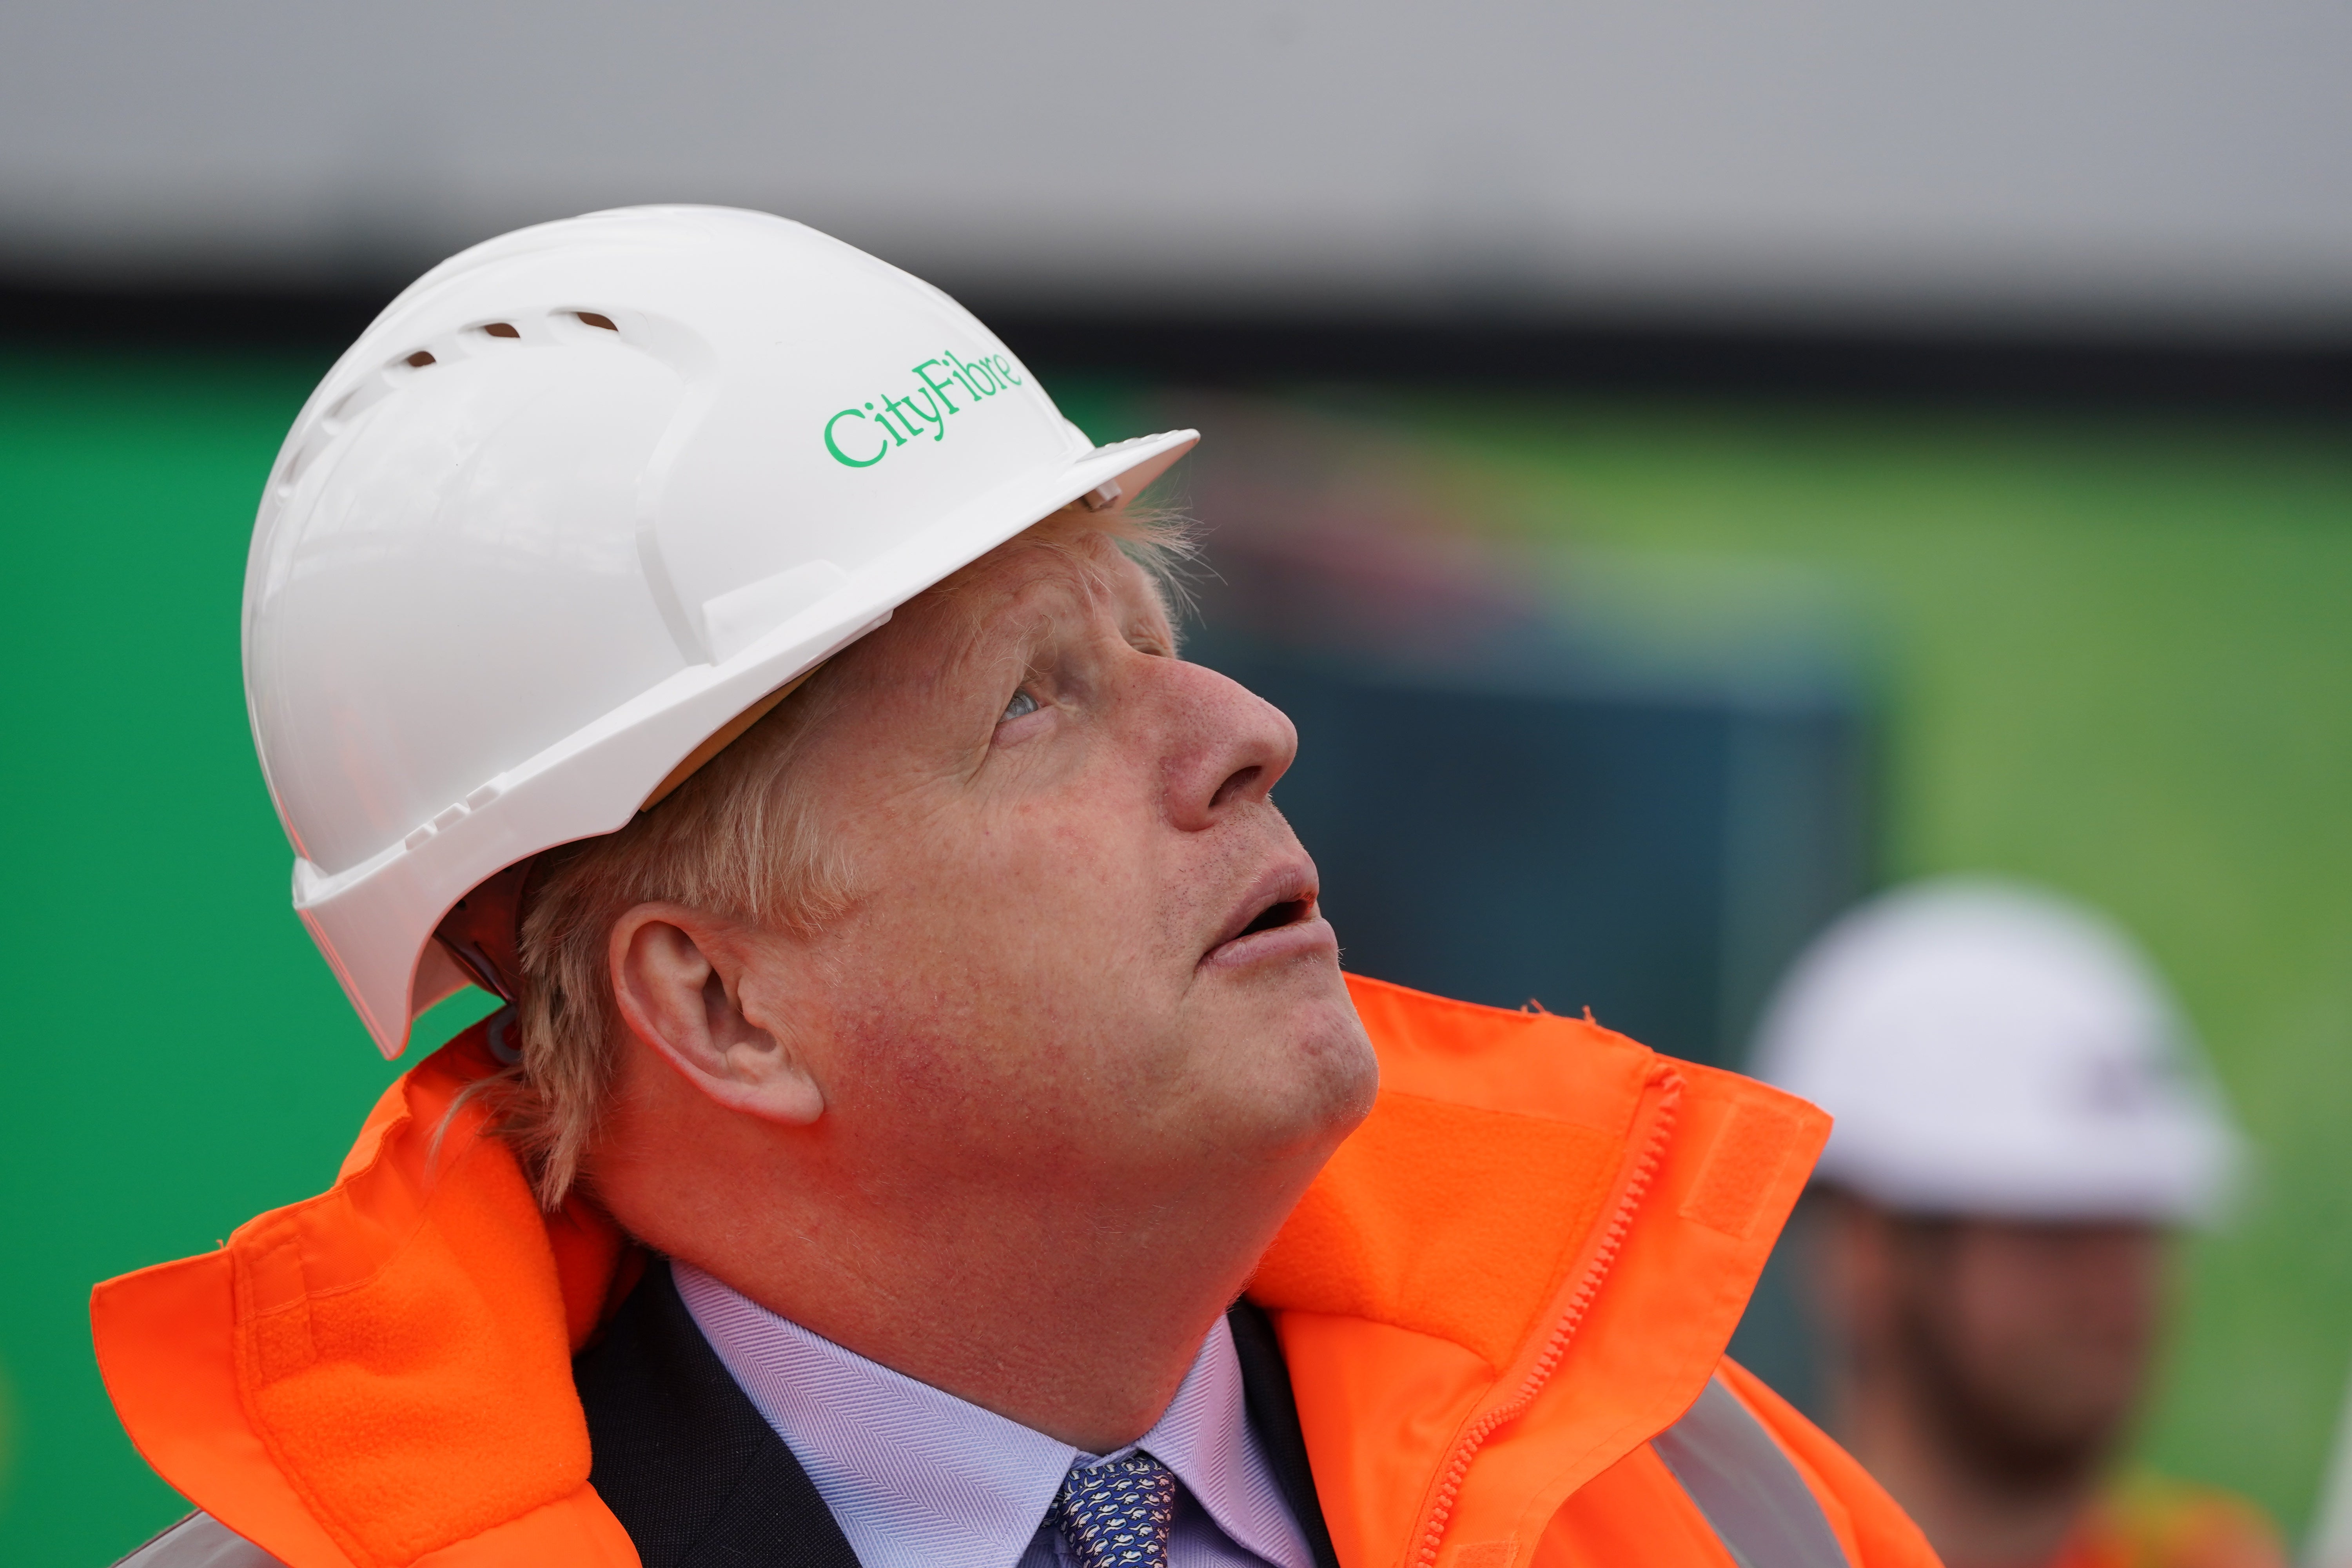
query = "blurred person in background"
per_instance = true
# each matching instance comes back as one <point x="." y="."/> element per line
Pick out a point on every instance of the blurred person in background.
<point x="2022" y="1124"/>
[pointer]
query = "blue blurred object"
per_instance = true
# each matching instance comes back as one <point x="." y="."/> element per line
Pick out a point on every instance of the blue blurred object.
<point x="1503" y="810"/>
<point x="1510" y="840"/>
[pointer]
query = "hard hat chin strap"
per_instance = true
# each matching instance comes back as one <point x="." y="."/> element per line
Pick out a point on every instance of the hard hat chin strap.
<point x="483" y="930"/>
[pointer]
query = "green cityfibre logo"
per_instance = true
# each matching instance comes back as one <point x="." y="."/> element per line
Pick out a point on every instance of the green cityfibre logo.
<point x="881" y="428"/>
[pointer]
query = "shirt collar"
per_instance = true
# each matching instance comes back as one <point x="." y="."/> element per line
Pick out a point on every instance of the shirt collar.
<point x="917" y="1477"/>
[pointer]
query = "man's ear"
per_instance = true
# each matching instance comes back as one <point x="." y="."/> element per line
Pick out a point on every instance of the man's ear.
<point x="677" y="976"/>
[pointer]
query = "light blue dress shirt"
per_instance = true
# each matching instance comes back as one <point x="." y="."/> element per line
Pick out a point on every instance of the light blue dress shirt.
<point x="918" y="1478"/>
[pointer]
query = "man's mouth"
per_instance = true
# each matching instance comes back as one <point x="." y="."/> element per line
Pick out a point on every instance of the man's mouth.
<point x="1281" y="900"/>
<point x="1289" y="911"/>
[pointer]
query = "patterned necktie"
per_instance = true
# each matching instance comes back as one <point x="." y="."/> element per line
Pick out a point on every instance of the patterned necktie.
<point x="1118" y="1514"/>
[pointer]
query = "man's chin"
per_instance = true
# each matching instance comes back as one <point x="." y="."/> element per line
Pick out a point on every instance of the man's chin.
<point x="1316" y="1073"/>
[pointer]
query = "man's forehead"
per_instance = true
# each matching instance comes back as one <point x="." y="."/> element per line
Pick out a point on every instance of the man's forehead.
<point x="1009" y="590"/>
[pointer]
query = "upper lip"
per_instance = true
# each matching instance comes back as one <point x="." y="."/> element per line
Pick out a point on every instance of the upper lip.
<point x="1292" y="882"/>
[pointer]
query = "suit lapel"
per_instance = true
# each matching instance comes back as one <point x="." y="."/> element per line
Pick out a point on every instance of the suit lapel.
<point x="692" y="1471"/>
<point x="1274" y="1413"/>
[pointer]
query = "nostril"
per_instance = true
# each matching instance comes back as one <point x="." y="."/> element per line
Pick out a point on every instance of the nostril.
<point x="1238" y="785"/>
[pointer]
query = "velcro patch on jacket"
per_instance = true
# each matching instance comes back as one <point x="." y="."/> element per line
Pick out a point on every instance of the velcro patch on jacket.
<point x="1483" y="1554"/>
<point x="402" y="1345"/>
<point x="1742" y="1166"/>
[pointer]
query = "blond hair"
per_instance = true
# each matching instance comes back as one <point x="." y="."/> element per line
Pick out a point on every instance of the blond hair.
<point x="737" y="839"/>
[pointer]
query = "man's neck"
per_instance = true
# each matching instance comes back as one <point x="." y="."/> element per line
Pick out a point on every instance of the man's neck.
<point x="1078" y="1323"/>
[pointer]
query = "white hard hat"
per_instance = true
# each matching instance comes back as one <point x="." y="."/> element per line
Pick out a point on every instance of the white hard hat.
<point x="1991" y="1049"/>
<point x="577" y="497"/>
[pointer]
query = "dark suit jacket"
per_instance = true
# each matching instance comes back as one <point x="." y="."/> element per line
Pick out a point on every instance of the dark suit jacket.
<point x="699" y="1480"/>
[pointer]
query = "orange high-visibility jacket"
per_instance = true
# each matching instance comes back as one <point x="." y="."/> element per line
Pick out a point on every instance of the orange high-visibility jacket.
<point x="1521" y="1270"/>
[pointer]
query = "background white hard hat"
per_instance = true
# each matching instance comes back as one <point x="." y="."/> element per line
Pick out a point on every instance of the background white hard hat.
<point x="579" y="496"/>
<point x="1987" y="1048"/>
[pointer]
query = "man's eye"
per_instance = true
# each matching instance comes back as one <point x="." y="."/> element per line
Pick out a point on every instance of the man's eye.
<point x="1021" y="705"/>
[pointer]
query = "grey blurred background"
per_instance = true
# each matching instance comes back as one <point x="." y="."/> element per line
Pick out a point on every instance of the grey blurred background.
<point x="2100" y="165"/>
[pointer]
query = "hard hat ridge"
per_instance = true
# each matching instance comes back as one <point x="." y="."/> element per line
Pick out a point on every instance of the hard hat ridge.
<point x="570" y="504"/>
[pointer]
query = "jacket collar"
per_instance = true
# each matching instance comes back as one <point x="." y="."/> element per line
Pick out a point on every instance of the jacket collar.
<point x="1525" y="1264"/>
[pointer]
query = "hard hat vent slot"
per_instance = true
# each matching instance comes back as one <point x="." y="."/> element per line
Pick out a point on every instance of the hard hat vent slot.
<point x="593" y="318"/>
<point x="419" y="360"/>
<point x="501" y="330"/>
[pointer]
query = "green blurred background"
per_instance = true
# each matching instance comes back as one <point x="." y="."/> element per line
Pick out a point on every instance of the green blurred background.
<point x="2119" y="661"/>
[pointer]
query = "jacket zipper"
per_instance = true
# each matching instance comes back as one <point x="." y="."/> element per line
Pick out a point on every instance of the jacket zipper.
<point x="1668" y="1084"/>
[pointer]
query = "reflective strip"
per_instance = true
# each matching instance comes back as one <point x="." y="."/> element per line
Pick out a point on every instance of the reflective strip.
<point x="1762" y="1511"/>
<point x="200" y="1540"/>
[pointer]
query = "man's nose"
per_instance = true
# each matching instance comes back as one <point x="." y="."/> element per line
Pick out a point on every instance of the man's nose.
<point x="1225" y="746"/>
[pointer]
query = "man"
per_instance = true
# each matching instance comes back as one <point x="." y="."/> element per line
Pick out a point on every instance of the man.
<point x="929" y="1125"/>
<point x="2021" y="1124"/>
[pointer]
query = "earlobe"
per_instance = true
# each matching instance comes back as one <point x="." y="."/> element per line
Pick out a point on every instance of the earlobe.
<point x="679" y="980"/>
